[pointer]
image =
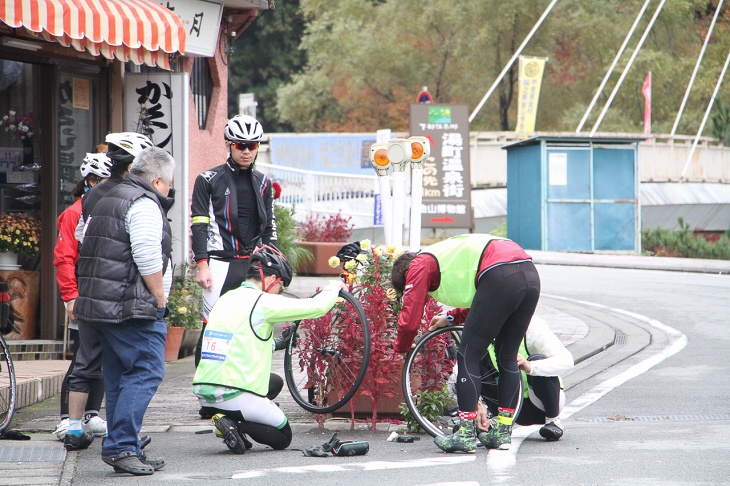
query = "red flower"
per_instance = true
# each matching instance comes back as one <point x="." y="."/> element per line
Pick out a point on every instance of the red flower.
<point x="277" y="189"/>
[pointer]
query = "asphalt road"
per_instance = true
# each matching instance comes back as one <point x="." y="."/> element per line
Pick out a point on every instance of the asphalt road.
<point x="651" y="409"/>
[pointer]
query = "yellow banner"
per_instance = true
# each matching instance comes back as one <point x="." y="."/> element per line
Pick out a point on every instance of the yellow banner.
<point x="530" y="80"/>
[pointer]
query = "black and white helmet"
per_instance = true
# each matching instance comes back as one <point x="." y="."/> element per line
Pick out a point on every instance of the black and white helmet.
<point x="97" y="164"/>
<point x="243" y="128"/>
<point x="271" y="260"/>
<point x="125" y="146"/>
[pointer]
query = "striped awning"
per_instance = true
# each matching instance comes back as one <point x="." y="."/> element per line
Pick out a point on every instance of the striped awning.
<point x="141" y="31"/>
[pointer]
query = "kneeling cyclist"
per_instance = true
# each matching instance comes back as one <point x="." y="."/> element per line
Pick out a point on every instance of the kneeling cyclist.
<point x="233" y="377"/>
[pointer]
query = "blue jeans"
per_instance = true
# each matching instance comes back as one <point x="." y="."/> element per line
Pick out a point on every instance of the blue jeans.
<point x="133" y="359"/>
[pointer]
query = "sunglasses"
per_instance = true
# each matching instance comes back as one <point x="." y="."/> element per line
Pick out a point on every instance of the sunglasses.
<point x="244" y="145"/>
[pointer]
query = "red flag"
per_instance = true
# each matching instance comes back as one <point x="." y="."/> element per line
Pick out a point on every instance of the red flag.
<point x="646" y="90"/>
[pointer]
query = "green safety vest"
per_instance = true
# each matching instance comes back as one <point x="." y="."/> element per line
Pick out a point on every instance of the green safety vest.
<point x="237" y="342"/>
<point x="458" y="258"/>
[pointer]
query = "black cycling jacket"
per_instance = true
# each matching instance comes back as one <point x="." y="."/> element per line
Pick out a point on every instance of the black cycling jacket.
<point x="214" y="212"/>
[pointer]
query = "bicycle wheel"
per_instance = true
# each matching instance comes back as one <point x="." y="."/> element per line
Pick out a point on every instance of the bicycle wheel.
<point x="7" y="386"/>
<point x="328" y="361"/>
<point x="431" y="366"/>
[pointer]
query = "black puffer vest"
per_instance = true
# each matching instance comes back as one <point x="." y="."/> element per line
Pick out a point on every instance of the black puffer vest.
<point x="110" y="287"/>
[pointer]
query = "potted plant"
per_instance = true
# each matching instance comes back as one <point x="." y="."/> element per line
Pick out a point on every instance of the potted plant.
<point x="286" y="229"/>
<point x="20" y="236"/>
<point x="323" y="236"/>
<point x="368" y="278"/>
<point x="184" y="319"/>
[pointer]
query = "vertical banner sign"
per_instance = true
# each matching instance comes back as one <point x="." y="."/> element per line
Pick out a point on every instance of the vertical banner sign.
<point x="156" y="105"/>
<point x="381" y="136"/>
<point x="530" y="81"/>
<point x="446" y="180"/>
<point x="646" y="90"/>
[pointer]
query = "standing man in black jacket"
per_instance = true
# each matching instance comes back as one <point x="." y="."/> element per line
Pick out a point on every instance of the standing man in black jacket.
<point x="124" y="276"/>
<point x="232" y="213"/>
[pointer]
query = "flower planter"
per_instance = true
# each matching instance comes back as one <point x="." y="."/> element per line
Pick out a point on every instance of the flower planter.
<point x="172" y="343"/>
<point x="322" y="251"/>
<point x="189" y="341"/>
<point x="9" y="261"/>
<point x="24" y="290"/>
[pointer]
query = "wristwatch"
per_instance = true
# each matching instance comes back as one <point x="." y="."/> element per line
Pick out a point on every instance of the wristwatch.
<point x="449" y="318"/>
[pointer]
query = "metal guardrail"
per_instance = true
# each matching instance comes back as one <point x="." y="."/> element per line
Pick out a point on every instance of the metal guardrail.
<point x="320" y="192"/>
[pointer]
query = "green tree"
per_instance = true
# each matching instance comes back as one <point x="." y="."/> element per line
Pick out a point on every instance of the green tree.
<point x="266" y="56"/>
<point x="367" y="60"/>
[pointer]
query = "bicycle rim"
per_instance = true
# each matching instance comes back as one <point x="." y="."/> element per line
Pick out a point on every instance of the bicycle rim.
<point x="7" y="387"/>
<point x="431" y="366"/>
<point x="326" y="365"/>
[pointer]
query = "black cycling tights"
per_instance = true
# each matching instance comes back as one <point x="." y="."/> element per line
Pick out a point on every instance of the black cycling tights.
<point x="501" y="312"/>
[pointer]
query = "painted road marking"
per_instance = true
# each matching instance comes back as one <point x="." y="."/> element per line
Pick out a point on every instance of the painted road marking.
<point x="500" y="464"/>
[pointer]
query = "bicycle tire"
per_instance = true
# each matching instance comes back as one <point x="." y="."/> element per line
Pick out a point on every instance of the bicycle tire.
<point x="323" y="369"/>
<point x="435" y="352"/>
<point x="8" y="390"/>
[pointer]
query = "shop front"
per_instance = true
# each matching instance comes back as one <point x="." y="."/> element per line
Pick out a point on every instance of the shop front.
<point x="69" y="74"/>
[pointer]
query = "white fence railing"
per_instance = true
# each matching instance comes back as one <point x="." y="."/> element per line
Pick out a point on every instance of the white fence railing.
<point x="324" y="192"/>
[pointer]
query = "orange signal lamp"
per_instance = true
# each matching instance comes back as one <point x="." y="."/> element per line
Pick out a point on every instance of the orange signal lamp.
<point x="420" y="148"/>
<point x="379" y="158"/>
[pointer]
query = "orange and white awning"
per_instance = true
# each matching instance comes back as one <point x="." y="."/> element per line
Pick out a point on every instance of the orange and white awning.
<point x="141" y="31"/>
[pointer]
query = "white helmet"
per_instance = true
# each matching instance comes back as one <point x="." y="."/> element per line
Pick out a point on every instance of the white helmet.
<point x="97" y="164"/>
<point x="243" y="128"/>
<point x="125" y="146"/>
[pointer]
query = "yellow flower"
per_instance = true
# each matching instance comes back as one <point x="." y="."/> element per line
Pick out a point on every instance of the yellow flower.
<point x="397" y="253"/>
<point x="391" y="249"/>
<point x="350" y="264"/>
<point x="333" y="262"/>
<point x="182" y="310"/>
<point x="379" y="250"/>
<point x="362" y="258"/>
<point x="365" y="244"/>
<point x="391" y="293"/>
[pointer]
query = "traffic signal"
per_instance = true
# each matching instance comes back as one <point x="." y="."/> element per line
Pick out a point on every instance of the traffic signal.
<point x="399" y="153"/>
<point x="420" y="148"/>
<point x="379" y="158"/>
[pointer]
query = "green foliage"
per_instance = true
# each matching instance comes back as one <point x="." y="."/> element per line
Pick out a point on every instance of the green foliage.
<point x="431" y="404"/>
<point x="721" y="123"/>
<point x="286" y="229"/>
<point x="185" y="301"/>
<point x="684" y="244"/>
<point x="355" y="65"/>
<point x="264" y="58"/>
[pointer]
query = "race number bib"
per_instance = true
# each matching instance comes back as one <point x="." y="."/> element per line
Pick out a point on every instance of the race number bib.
<point x="216" y="345"/>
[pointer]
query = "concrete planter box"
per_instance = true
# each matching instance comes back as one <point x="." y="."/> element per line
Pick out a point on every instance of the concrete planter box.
<point x="322" y="251"/>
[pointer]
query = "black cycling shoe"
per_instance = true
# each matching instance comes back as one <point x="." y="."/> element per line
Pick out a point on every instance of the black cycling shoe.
<point x="128" y="462"/>
<point x="229" y="431"/>
<point x="144" y="441"/>
<point x="78" y="442"/>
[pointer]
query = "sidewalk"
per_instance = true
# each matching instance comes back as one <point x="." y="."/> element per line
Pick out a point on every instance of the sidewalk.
<point x="39" y="380"/>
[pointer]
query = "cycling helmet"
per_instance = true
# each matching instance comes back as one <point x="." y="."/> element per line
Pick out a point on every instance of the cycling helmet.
<point x="97" y="164"/>
<point x="271" y="259"/>
<point x="243" y="128"/>
<point x="125" y="146"/>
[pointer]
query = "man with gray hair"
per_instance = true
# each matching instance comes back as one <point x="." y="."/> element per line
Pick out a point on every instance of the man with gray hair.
<point x="124" y="276"/>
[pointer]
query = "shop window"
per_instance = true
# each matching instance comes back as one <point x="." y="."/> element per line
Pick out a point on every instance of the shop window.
<point x="19" y="163"/>
<point x="201" y="84"/>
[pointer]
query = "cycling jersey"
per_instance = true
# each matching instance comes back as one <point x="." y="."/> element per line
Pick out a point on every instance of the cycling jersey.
<point x="216" y="232"/>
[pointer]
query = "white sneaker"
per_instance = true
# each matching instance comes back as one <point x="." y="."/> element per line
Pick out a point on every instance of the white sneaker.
<point x="97" y="425"/>
<point x="61" y="429"/>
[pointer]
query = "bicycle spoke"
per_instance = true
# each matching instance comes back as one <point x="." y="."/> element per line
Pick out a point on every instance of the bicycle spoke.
<point x="327" y="363"/>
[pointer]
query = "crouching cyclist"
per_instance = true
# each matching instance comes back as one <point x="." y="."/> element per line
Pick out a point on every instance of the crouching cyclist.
<point x="233" y="377"/>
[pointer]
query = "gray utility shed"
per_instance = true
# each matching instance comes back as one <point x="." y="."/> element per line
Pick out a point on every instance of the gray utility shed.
<point x="576" y="194"/>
